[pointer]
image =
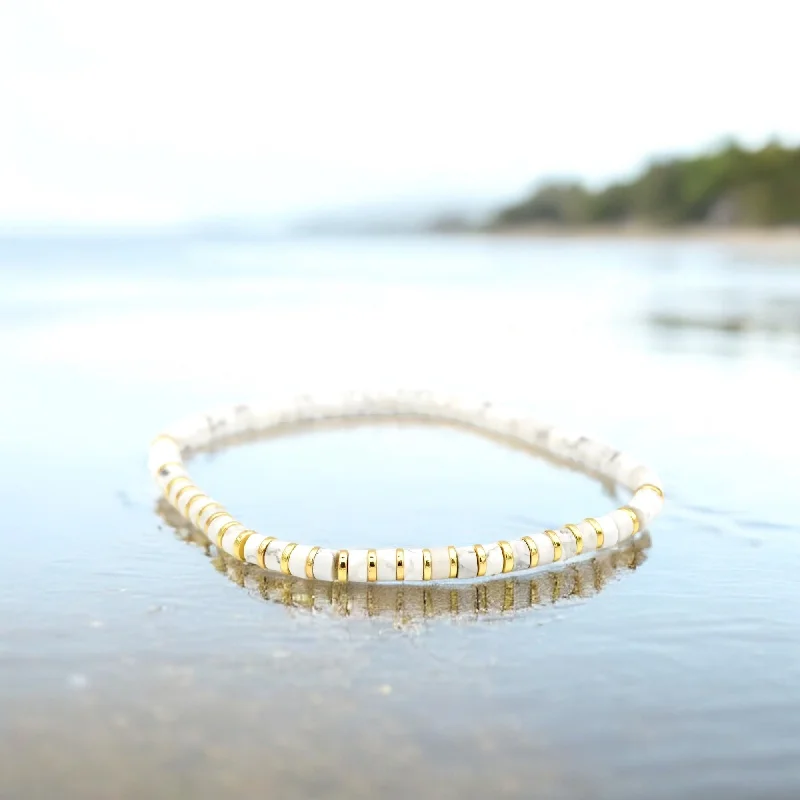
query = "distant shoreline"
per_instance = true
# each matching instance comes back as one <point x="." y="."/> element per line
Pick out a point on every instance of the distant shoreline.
<point x="789" y="235"/>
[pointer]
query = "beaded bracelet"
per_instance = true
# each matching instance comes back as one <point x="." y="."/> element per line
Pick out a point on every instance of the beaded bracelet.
<point x="402" y="564"/>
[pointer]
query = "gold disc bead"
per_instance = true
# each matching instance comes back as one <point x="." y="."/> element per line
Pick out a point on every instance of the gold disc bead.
<point x="598" y="529"/>
<point x="223" y="530"/>
<point x="341" y="566"/>
<point x="372" y="566"/>
<point x="534" y="551"/>
<point x="634" y="518"/>
<point x="652" y="487"/>
<point x="215" y="515"/>
<point x="553" y="536"/>
<point x="239" y="543"/>
<point x="508" y="556"/>
<point x="312" y="554"/>
<point x="262" y="551"/>
<point x="427" y="565"/>
<point x="480" y="555"/>
<point x="286" y="554"/>
<point x="400" y="568"/>
<point x="453" y="555"/>
<point x="181" y="491"/>
<point x="573" y="529"/>
<point x="171" y="483"/>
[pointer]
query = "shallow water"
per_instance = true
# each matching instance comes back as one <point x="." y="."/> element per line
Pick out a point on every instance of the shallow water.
<point x="136" y="663"/>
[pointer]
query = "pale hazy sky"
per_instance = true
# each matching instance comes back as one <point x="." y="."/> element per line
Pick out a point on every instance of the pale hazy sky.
<point x="163" y="110"/>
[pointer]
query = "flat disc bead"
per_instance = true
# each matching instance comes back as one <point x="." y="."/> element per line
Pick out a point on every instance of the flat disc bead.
<point x="324" y="564"/>
<point x="624" y="524"/>
<point x="230" y="537"/>
<point x="494" y="558"/>
<point x="387" y="563"/>
<point x="522" y="554"/>
<point x="610" y="531"/>
<point x="413" y="564"/>
<point x="440" y="563"/>
<point x="216" y="525"/>
<point x="544" y="546"/>
<point x="357" y="566"/>
<point x="589" y="535"/>
<point x="251" y="548"/>
<point x="467" y="562"/>
<point x="297" y="560"/>
<point x="272" y="556"/>
<point x="569" y="545"/>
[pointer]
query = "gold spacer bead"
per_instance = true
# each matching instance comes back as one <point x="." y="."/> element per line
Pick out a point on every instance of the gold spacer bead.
<point x="372" y="566"/>
<point x="632" y="514"/>
<point x="200" y="496"/>
<point x="480" y="555"/>
<point x="601" y="537"/>
<point x="223" y="530"/>
<point x="341" y="566"/>
<point x="508" y="556"/>
<point x="209" y="504"/>
<point x="312" y="554"/>
<point x="453" y="553"/>
<point x="262" y="551"/>
<point x="427" y="565"/>
<point x="168" y="487"/>
<point x="652" y="487"/>
<point x="214" y="516"/>
<point x="573" y="529"/>
<point x="534" y="550"/>
<point x="181" y="491"/>
<point x="553" y="536"/>
<point x="239" y="543"/>
<point x="286" y="554"/>
<point x="400" y="569"/>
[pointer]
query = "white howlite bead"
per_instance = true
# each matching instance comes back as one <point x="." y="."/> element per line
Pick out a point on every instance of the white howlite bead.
<point x="467" y="562"/>
<point x="440" y="563"/>
<point x="324" y="564"/>
<point x="610" y="531"/>
<point x="297" y="560"/>
<point x="624" y="524"/>
<point x="387" y="563"/>
<point x="251" y="548"/>
<point x="163" y="451"/>
<point x="272" y="558"/>
<point x="186" y="498"/>
<point x="230" y="537"/>
<point x="522" y="555"/>
<point x="168" y="473"/>
<point x="648" y="503"/>
<point x="589" y="535"/>
<point x="544" y="546"/>
<point x="622" y="467"/>
<point x="494" y="558"/>
<point x="202" y="510"/>
<point x="569" y="547"/>
<point x="413" y="565"/>
<point x="357" y="566"/>
<point x="216" y="524"/>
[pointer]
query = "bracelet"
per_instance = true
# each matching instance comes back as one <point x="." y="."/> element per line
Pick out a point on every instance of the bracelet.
<point x="402" y="564"/>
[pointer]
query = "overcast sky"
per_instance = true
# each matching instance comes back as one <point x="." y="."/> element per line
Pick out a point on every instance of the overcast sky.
<point x="162" y="110"/>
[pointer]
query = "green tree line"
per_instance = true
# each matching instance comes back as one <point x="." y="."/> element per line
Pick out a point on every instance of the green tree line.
<point x="732" y="185"/>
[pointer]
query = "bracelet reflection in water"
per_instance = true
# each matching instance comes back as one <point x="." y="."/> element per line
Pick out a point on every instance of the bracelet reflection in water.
<point x="407" y="603"/>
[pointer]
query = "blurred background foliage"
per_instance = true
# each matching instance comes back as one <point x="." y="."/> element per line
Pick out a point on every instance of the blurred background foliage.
<point x="730" y="186"/>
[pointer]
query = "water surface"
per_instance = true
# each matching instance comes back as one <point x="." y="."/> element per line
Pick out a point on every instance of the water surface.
<point x="134" y="662"/>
